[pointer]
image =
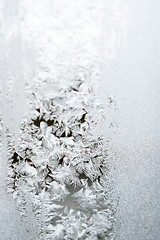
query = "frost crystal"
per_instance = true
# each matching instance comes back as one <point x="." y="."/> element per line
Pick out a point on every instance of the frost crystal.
<point x="58" y="168"/>
<point x="63" y="168"/>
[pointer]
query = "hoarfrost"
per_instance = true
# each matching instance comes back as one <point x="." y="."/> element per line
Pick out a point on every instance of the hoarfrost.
<point x="58" y="168"/>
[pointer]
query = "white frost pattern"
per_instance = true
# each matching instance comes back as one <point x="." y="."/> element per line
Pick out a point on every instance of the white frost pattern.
<point x="57" y="167"/>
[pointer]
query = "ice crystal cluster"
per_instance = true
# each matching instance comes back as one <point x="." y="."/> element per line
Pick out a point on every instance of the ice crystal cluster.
<point x="58" y="171"/>
<point x="60" y="168"/>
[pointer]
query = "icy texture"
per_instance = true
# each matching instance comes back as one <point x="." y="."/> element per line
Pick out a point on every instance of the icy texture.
<point x="12" y="67"/>
<point x="63" y="168"/>
<point x="12" y="109"/>
<point x="58" y="168"/>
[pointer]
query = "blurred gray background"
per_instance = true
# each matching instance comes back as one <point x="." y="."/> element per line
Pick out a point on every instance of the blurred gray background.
<point x="131" y="74"/>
